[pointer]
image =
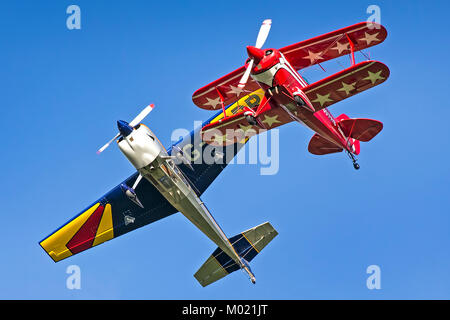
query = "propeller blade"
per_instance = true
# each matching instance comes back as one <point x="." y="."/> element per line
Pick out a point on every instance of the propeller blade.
<point x="263" y="33"/>
<point x="133" y="123"/>
<point x="262" y="36"/>
<point x="246" y="74"/>
<point x="107" y="145"/>
<point x="142" y="115"/>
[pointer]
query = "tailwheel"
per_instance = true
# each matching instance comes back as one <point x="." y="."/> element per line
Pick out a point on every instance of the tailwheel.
<point x="252" y="120"/>
<point x="354" y="160"/>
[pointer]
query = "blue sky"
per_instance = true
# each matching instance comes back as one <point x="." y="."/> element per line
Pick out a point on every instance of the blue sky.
<point x="63" y="90"/>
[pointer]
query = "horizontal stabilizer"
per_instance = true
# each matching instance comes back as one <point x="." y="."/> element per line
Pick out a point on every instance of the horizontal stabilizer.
<point x="321" y="146"/>
<point x="247" y="244"/>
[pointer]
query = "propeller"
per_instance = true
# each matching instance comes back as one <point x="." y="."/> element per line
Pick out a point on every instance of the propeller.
<point x="130" y="125"/>
<point x="262" y="36"/>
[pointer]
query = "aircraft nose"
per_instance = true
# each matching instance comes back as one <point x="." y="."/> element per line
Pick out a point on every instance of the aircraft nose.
<point x="255" y="53"/>
<point x="124" y="128"/>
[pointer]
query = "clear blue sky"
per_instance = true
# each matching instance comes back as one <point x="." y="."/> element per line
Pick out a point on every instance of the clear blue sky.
<point x="62" y="91"/>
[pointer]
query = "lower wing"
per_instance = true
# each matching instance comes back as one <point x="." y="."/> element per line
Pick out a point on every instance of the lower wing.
<point x="346" y="83"/>
<point x="109" y="217"/>
<point x="323" y="93"/>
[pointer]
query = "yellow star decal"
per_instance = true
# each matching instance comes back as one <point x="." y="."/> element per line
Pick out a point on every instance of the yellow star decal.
<point x="374" y="76"/>
<point x="323" y="99"/>
<point x="347" y="87"/>
<point x="246" y="128"/>
<point x="220" y="139"/>
<point x="271" y="120"/>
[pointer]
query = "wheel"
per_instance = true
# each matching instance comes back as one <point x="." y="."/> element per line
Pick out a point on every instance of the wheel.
<point x="356" y="166"/>
<point x="251" y="120"/>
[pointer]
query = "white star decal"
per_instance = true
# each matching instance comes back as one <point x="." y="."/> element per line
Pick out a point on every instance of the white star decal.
<point x="323" y="99"/>
<point x="313" y="57"/>
<point x="235" y="90"/>
<point x="369" y="38"/>
<point x="340" y="47"/>
<point x="212" y="102"/>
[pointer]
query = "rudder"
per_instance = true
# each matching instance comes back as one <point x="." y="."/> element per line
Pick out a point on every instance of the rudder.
<point x="361" y="129"/>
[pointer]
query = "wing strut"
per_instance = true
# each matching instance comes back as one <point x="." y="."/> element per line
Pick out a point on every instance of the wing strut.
<point x="352" y="49"/>
<point x="221" y="102"/>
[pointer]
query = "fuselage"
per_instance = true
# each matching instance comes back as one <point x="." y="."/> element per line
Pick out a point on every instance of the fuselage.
<point x="151" y="159"/>
<point x="274" y="70"/>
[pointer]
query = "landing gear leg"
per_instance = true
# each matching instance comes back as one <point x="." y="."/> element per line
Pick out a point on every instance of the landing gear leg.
<point x="254" y="121"/>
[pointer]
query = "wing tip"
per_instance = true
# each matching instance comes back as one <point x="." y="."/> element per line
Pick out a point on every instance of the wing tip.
<point x="49" y="253"/>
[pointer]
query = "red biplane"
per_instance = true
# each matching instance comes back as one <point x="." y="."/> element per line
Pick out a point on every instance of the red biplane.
<point x="285" y="96"/>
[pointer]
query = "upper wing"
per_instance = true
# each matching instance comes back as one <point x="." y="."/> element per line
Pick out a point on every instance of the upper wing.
<point x="300" y="55"/>
<point x="334" y="44"/>
<point x="208" y="97"/>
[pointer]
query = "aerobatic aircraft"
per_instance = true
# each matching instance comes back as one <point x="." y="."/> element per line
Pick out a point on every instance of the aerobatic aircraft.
<point x="172" y="180"/>
<point x="276" y="93"/>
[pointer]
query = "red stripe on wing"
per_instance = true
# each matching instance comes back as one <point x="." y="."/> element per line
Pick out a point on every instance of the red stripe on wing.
<point x="84" y="237"/>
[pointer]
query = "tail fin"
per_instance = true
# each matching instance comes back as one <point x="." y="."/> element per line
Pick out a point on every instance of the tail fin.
<point x="358" y="130"/>
<point x="247" y="244"/>
<point x="355" y="147"/>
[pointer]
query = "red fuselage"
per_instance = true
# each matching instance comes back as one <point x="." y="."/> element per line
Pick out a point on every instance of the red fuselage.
<point x="272" y="69"/>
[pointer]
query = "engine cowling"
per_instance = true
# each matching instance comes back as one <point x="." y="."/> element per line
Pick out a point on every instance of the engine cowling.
<point x="140" y="147"/>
